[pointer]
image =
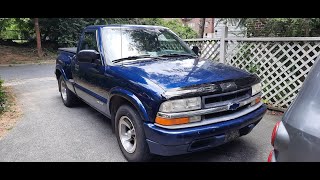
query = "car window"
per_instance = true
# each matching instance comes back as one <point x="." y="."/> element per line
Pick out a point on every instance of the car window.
<point x="89" y="41"/>
<point x="126" y="42"/>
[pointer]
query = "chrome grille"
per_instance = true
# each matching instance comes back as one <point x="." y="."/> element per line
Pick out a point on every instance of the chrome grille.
<point x="225" y="98"/>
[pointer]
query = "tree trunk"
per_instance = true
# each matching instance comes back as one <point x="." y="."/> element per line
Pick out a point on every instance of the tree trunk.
<point x="36" y="26"/>
<point x="202" y="26"/>
<point x="212" y="28"/>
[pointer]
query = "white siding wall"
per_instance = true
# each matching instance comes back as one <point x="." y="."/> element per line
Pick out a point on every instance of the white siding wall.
<point x="233" y="30"/>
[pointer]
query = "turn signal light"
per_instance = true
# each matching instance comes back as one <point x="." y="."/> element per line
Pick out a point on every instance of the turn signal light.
<point x="174" y="121"/>
<point x="274" y="133"/>
<point x="256" y="101"/>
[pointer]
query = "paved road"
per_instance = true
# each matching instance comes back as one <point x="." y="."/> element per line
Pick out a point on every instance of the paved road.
<point x="48" y="131"/>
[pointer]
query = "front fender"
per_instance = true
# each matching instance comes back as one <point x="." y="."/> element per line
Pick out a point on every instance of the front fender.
<point x="128" y="95"/>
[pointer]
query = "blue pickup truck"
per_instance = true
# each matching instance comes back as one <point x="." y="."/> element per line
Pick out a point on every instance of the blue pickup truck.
<point x="160" y="96"/>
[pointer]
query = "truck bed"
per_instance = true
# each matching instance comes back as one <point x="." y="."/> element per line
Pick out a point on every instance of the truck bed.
<point x="70" y="50"/>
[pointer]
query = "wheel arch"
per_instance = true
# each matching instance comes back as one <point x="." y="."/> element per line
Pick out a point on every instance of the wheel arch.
<point x="119" y="97"/>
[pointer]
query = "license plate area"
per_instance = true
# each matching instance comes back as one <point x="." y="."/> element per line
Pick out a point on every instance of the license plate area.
<point x="231" y="135"/>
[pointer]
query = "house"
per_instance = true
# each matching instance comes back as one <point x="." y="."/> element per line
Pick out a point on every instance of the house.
<point x="213" y="27"/>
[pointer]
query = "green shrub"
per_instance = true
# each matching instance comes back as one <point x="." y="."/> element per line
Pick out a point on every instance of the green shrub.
<point x="2" y="97"/>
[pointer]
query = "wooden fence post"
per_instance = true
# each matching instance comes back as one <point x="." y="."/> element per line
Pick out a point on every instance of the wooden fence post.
<point x="223" y="44"/>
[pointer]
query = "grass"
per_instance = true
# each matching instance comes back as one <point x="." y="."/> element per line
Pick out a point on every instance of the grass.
<point x="10" y="112"/>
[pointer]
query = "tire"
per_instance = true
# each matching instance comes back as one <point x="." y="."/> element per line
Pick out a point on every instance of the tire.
<point x="136" y="149"/>
<point x="69" y="99"/>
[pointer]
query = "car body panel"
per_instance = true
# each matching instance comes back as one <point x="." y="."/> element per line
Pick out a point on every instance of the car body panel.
<point x="302" y="122"/>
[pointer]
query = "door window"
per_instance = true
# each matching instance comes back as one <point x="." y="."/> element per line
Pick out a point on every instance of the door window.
<point x="89" y="41"/>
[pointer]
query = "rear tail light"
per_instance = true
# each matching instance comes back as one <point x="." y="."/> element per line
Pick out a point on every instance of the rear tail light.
<point x="270" y="156"/>
<point x="274" y="133"/>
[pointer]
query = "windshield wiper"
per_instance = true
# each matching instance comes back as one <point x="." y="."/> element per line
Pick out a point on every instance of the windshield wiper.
<point x="177" y="55"/>
<point x="132" y="58"/>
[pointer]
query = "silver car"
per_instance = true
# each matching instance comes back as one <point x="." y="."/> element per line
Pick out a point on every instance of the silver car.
<point x="297" y="136"/>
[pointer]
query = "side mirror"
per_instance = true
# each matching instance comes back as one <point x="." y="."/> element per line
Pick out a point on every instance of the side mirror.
<point x="89" y="56"/>
<point x="196" y="50"/>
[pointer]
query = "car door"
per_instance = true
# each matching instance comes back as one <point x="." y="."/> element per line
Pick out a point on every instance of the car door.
<point x="89" y="74"/>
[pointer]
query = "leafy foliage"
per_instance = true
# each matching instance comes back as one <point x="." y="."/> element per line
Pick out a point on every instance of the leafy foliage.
<point x="66" y="31"/>
<point x="15" y="28"/>
<point x="182" y="31"/>
<point x="283" y="27"/>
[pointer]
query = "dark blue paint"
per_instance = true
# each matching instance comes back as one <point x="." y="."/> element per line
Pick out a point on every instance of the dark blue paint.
<point x="144" y="84"/>
<point x="100" y="98"/>
<point x="171" y="140"/>
<point x="177" y="73"/>
<point x="117" y="91"/>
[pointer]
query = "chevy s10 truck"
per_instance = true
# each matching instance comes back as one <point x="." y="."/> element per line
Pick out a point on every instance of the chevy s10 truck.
<point x="160" y="96"/>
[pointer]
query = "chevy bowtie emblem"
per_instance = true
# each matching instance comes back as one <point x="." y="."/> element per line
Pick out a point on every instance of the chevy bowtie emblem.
<point x="234" y="106"/>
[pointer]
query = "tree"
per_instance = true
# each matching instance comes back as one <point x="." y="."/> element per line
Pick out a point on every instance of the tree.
<point x="37" y="29"/>
<point x="179" y="28"/>
<point x="58" y="32"/>
<point x="202" y="26"/>
<point x="240" y="22"/>
<point x="283" y="27"/>
<point x="16" y="28"/>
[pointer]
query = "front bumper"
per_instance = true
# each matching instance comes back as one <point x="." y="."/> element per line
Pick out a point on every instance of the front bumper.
<point x="169" y="142"/>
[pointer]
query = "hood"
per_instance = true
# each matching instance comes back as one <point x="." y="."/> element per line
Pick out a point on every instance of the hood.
<point x="179" y="73"/>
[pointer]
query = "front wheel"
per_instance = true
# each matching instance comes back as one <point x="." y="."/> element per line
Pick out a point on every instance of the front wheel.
<point x="130" y="134"/>
<point x="68" y="97"/>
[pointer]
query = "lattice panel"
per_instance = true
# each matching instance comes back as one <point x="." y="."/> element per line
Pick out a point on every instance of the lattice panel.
<point x="172" y="45"/>
<point x="282" y="66"/>
<point x="210" y="49"/>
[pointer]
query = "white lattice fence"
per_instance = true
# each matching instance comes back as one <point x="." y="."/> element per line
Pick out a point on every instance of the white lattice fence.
<point x="210" y="48"/>
<point x="281" y="63"/>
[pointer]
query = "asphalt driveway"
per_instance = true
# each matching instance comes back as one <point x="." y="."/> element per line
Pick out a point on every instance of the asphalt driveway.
<point x="49" y="131"/>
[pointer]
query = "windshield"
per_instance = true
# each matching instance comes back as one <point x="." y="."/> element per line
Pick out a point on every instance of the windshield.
<point x="141" y="42"/>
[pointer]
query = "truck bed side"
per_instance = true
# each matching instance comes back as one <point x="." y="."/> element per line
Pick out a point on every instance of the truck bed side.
<point x="63" y="62"/>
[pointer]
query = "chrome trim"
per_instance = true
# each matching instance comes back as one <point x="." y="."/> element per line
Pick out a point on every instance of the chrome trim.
<point x="215" y="119"/>
<point x="207" y="111"/>
<point x="198" y="89"/>
<point x="221" y="103"/>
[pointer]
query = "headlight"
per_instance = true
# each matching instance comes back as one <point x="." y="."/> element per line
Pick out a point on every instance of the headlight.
<point x="181" y="105"/>
<point x="256" y="89"/>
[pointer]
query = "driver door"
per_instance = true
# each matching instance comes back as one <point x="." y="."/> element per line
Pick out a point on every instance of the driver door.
<point x="89" y="74"/>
